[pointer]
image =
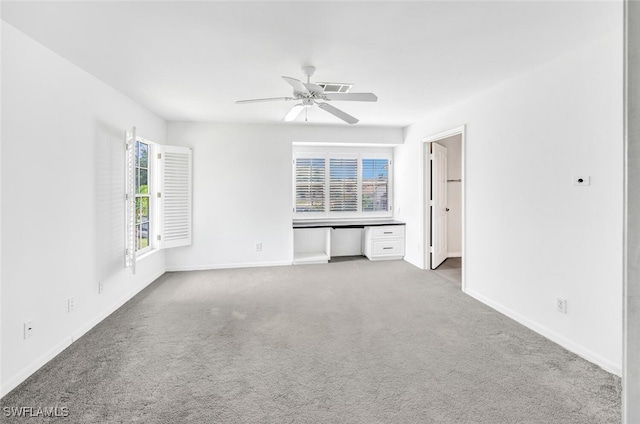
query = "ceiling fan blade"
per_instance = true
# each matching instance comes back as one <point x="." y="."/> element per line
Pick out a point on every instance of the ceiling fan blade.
<point x="314" y="88"/>
<point x="293" y="113"/>
<point x="264" y="100"/>
<point x="337" y="112"/>
<point x="353" y="97"/>
<point x="298" y="86"/>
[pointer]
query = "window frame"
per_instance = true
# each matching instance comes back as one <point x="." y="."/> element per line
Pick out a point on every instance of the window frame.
<point x="337" y="153"/>
<point x="389" y="160"/>
<point x="343" y="156"/>
<point x="152" y="206"/>
<point x="309" y="215"/>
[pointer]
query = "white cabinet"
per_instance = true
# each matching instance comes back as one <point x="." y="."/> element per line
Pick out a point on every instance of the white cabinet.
<point x="383" y="242"/>
<point x="314" y="242"/>
<point x="311" y="245"/>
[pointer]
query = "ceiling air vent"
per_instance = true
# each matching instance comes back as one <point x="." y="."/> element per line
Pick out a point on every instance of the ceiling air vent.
<point x="335" y="87"/>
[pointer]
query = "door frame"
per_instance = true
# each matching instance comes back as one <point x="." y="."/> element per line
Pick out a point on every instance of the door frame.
<point x="426" y="177"/>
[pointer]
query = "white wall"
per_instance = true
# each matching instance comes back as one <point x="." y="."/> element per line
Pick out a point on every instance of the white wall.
<point x="62" y="202"/>
<point x="242" y="188"/>
<point x="531" y="236"/>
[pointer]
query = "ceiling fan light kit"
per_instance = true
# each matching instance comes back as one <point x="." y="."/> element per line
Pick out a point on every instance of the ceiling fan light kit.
<point x="310" y="94"/>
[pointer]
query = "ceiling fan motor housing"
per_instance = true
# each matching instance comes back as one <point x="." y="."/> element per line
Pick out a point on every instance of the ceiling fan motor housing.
<point x="309" y="71"/>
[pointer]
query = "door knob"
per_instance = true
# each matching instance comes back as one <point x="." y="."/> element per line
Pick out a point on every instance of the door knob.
<point x="446" y="209"/>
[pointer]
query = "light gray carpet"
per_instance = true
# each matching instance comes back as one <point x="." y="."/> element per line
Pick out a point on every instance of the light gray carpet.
<point x="451" y="269"/>
<point x="348" y="342"/>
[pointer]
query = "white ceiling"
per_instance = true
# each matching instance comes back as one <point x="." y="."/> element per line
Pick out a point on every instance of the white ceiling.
<point x="191" y="60"/>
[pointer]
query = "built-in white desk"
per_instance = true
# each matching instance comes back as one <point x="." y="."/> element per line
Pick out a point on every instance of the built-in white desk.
<point x="314" y="241"/>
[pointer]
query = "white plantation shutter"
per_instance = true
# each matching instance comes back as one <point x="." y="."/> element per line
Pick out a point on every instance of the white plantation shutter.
<point x="130" y="200"/>
<point x="343" y="185"/>
<point x="375" y="185"/>
<point x="349" y="185"/>
<point x="175" y="196"/>
<point x="309" y="185"/>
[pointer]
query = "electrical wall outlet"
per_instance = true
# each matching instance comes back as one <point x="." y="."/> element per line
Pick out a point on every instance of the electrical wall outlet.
<point x="259" y="247"/>
<point x="72" y="304"/>
<point x="581" y="180"/>
<point x="562" y="305"/>
<point x="28" y="329"/>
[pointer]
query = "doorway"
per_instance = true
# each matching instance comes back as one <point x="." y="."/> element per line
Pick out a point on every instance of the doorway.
<point x="444" y="206"/>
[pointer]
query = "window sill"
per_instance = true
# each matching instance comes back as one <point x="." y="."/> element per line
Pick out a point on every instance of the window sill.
<point x="146" y="254"/>
<point x="376" y="218"/>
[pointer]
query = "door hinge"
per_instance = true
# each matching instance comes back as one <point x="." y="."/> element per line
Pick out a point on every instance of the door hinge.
<point x="430" y="249"/>
<point x="159" y="155"/>
<point x="431" y="156"/>
<point x="159" y="195"/>
<point x="430" y="202"/>
<point x="159" y="237"/>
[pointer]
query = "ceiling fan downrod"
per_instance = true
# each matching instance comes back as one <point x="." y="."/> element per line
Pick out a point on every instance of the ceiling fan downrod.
<point x="309" y="71"/>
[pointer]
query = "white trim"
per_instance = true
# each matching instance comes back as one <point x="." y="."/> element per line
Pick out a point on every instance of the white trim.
<point x="34" y="366"/>
<point x="151" y="187"/>
<point x="571" y="346"/>
<point x="205" y="267"/>
<point x="345" y="144"/>
<point x="444" y="134"/>
<point x="426" y="190"/>
<point x="454" y="255"/>
<point x="43" y="359"/>
<point x="114" y="307"/>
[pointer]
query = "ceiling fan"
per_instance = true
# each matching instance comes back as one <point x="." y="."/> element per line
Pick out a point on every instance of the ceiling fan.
<point x="310" y="94"/>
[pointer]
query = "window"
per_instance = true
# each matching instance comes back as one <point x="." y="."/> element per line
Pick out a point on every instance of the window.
<point x="142" y="200"/>
<point x="375" y="185"/>
<point x="309" y="185"/>
<point x="343" y="185"/>
<point x="337" y="185"/>
<point x="158" y="197"/>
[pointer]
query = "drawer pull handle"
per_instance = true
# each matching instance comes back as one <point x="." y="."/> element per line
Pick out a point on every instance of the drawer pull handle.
<point x="388" y="232"/>
<point x="387" y="248"/>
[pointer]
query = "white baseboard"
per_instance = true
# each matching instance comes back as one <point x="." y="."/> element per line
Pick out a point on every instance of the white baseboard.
<point x="454" y="254"/>
<point x="42" y="360"/>
<point x="571" y="346"/>
<point x="34" y="366"/>
<point x="227" y="266"/>
<point x="111" y="309"/>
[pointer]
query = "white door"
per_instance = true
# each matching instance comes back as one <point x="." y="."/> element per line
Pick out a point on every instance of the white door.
<point x="438" y="204"/>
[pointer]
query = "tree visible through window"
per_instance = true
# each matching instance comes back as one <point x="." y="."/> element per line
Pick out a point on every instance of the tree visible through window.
<point x="142" y="224"/>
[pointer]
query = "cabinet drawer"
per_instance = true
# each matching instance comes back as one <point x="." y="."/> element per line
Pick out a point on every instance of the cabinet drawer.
<point x="388" y="247"/>
<point x="390" y="231"/>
